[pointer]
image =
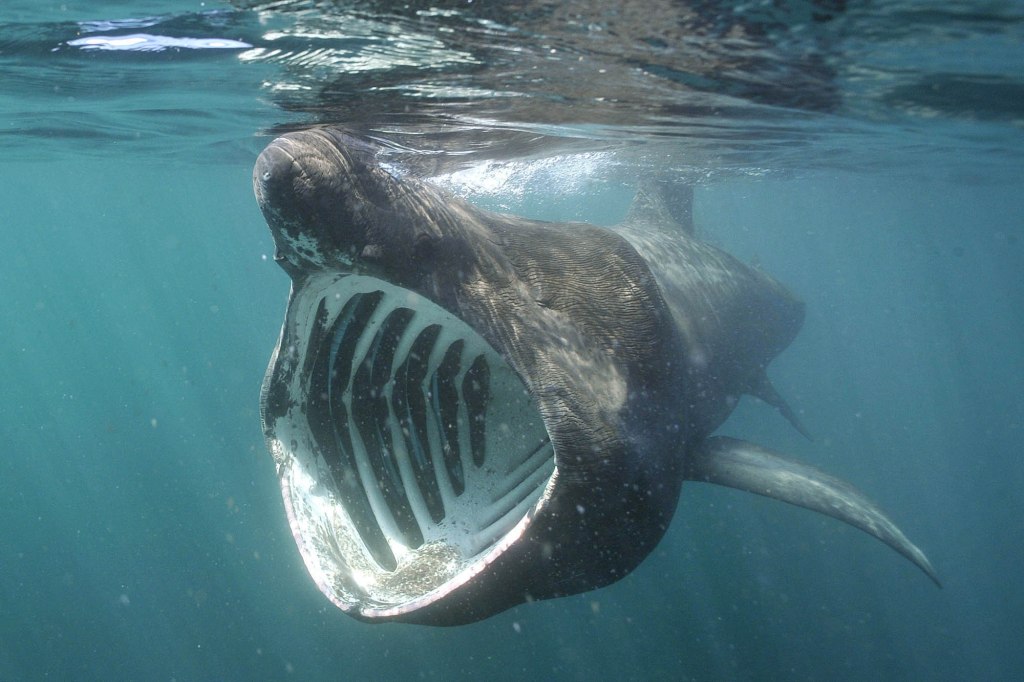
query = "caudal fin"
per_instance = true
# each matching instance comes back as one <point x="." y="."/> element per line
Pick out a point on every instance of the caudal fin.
<point x="738" y="464"/>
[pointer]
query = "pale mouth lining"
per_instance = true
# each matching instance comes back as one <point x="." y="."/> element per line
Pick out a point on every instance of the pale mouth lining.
<point x="408" y="449"/>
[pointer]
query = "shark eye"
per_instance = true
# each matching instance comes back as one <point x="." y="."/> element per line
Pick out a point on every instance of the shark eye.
<point x="424" y="246"/>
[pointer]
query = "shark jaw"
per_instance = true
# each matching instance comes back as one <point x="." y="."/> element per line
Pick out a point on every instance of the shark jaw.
<point x="410" y="453"/>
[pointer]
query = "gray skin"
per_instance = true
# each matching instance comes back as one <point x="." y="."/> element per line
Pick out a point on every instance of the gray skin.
<point x="635" y="344"/>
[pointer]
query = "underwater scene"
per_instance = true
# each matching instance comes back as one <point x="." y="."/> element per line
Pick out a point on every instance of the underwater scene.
<point x="457" y="340"/>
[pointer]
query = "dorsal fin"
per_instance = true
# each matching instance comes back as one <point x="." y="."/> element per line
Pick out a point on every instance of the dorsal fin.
<point x="663" y="203"/>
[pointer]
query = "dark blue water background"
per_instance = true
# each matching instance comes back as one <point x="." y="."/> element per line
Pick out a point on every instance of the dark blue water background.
<point x="142" y="534"/>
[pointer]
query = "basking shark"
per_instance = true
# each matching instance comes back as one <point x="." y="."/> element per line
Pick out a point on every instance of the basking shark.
<point x="469" y="410"/>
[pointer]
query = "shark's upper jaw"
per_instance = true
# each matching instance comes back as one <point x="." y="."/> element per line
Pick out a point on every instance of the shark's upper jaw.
<point x="307" y="187"/>
<point x="410" y="453"/>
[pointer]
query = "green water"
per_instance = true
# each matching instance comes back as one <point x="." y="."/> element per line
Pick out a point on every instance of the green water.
<point x="142" y="534"/>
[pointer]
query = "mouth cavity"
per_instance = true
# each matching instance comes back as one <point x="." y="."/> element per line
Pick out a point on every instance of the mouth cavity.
<point x="410" y="453"/>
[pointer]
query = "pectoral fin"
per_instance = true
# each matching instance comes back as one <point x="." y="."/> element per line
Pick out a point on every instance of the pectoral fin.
<point x="738" y="464"/>
<point x="764" y="390"/>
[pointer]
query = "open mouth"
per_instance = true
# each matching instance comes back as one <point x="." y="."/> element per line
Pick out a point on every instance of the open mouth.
<point x="410" y="453"/>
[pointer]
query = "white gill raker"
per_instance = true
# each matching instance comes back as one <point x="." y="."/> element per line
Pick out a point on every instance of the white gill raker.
<point x="381" y="512"/>
<point x="541" y="459"/>
<point x="519" y="487"/>
<point x="485" y="537"/>
<point x="436" y="437"/>
<point x="521" y="456"/>
<point x="410" y="486"/>
<point x="368" y="344"/>
<point x="524" y="470"/>
<point x="367" y="337"/>
<point x="325" y="396"/>
<point x="409" y="387"/>
<point x="402" y="456"/>
<point x="469" y="469"/>
<point x="376" y="414"/>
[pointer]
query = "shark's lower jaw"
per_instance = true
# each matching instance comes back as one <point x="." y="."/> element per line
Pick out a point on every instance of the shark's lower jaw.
<point x="410" y="453"/>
